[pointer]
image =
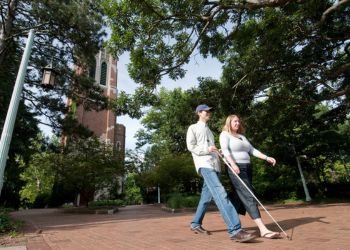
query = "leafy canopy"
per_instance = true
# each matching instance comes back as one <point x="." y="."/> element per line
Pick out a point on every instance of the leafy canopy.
<point x="266" y="44"/>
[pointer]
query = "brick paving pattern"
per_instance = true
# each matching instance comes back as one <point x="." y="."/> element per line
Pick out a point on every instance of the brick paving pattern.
<point x="320" y="227"/>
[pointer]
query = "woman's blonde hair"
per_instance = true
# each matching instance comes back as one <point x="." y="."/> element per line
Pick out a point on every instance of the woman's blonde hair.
<point x="227" y="127"/>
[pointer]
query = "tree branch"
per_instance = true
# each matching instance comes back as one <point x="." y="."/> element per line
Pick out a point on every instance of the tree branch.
<point x="346" y="49"/>
<point x="150" y="7"/>
<point x="332" y="74"/>
<point x="167" y="70"/>
<point x="334" y="8"/>
<point x="336" y="94"/>
<point x="51" y="118"/>
<point x="257" y="4"/>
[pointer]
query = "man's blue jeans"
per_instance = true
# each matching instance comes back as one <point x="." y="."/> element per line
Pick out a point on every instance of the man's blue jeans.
<point x="213" y="189"/>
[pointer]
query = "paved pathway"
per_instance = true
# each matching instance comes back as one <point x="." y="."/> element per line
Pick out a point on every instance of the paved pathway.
<point x="325" y="226"/>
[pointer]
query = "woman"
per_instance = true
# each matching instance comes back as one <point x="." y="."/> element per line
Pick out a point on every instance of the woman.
<point x="237" y="150"/>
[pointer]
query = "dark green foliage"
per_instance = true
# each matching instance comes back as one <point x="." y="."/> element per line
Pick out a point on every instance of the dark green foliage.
<point x="82" y="167"/>
<point x="179" y="200"/>
<point x="66" y="33"/>
<point x="297" y="45"/>
<point x="176" y="174"/>
<point x="105" y="203"/>
<point x="7" y="223"/>
<point x="272" y="128"/>
<point x="132" y="190"/>
<point x="285" y="71"/>
<point x="24" y="131"/>
<point x="170" y="173"/>
<point x="87" y="165"/>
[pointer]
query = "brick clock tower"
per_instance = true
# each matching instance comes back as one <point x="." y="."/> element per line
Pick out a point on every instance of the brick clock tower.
<point x="103" y="123"/>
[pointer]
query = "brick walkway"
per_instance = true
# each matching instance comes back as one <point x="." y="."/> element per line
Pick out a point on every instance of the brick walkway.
<point x="325" y="226"/>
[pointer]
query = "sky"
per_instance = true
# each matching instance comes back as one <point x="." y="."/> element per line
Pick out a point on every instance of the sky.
<point x="197" y="67"/>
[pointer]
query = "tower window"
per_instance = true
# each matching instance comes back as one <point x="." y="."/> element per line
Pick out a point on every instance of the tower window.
<point x="92" y="69"/>
<point x="103" y="78"/>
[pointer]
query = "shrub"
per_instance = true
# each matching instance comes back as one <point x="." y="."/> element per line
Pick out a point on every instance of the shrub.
<point x="8" y="224"/>
<point x="191" y="201"/>
<point x="131" y="190"/>
<point x="105" y="203"/>
<point x="177" y="200"/>
<point x="68" y="205"/>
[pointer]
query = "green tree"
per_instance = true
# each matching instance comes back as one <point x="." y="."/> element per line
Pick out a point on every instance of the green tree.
<point x="87" y="165"/>
<point x="25" y="130"/>
<point x="282" y="60"/>
<point x="171" y="173"/>
<point x="139" y="161"/>
<point x="132" y="190"/>
<point x="82" y="167"/>
<point x="263" y="45"/>
<point x="177" y="174"/>
<point x="67" y="33"/>
<point x="165" y="123"/>
<point x="271" y="126"/>
<point x="37" y="175"/>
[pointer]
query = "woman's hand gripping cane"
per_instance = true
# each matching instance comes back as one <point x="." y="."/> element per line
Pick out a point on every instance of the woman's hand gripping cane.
<point x="232" y="165"/>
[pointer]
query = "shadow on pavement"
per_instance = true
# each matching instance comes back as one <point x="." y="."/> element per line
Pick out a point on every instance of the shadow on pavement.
<point x="285" y="224"/>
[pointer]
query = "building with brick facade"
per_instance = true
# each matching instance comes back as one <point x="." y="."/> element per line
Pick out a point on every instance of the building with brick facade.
<point x="103" y="123"/>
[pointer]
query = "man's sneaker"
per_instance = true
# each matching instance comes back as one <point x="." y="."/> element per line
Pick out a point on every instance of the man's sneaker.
<point x="199" y="230"/>
<point x="243" y="236"/>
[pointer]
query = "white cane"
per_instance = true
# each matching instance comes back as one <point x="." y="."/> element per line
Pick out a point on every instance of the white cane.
<point x="223" y="158"/>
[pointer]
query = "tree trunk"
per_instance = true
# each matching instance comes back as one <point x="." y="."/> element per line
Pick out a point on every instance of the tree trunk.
<point x="6" y="28"/>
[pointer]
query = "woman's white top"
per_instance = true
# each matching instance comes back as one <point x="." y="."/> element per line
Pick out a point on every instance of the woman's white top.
<point x="239" y="147"/>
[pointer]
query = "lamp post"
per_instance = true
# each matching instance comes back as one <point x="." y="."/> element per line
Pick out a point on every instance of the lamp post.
<point x="49" y="76"/>
<point x="13" y="107"/>
<point x="306" y="190"/>
<point x="158" y="194"/>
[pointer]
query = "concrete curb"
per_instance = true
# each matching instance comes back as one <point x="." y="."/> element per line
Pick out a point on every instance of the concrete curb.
<point x="186" y="210"/>
<point x="14" y="248"/>
<point x="86" y="210"/>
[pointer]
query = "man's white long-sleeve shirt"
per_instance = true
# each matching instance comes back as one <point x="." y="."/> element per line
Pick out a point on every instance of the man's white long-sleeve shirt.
<point x="198" y="139"/>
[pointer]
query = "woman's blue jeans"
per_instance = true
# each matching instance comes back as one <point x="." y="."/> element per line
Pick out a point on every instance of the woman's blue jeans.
<point x="213" y="189"/>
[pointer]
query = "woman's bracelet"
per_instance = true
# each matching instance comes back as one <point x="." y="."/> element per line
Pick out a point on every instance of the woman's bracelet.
<point x="266" y="158"/>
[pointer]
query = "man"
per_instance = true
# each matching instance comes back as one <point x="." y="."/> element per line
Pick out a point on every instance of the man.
<point x="200" y="142"/>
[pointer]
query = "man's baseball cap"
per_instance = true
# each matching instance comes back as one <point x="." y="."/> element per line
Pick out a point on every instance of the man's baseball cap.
<point x="202" y="107"/>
